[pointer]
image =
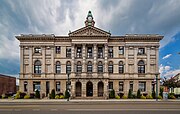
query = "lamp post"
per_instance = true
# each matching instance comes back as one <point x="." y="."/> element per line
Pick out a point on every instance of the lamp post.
<point x="68" y="86"/>
<point x="157" y="87"/>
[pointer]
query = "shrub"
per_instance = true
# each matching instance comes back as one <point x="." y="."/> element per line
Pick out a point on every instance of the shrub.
<point x="57" y="97"/>
<point x="124" y="97"/>
<point x="121" y="94"/>
<point x="159" y="97"/>
<point x="161" y="91"/>
<point x="37" y="94"/>
<point x="61" y="96"/>
<point x="67" y="95"/>
<point x="153" y="94"/>
<point x="26" y="97"/>
<point x="117" y="97"/>
<point x="52" y="95"/>
<point x="17" y="96"/>
<point x="149" y="97"/>
<point x="138" y="94"/>
<point x="172" y="97"/>
<point x="112" y="94"/>
<point x="3" y="96"/>
<point x="134" y="96"/>
<point x="130" y="94"/>
<point x="143" y="97"/>
<point x="22" y="95"/>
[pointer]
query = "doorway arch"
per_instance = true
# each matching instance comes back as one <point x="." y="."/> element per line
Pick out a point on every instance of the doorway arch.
<point x="100" y="89"/>
<point x="89" y="89"/>
<point x="78" y="89"/>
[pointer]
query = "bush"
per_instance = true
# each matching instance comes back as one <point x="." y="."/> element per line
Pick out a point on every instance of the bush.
<point x="117" y="97"/>
<point x="67" y="95"/>
<point x="153" y="94"/>
<point x="26" y="97"/>
<point x="112" y="94"/>
<point x="171" y="97"/>
<point x="52" y="95"/>
<point x="61" y="96"/>
<point x="130" y="94"/>
<point x="138" y="94"/>
<point x="159" y="97"/>
<point x="149" y="97"/>
<point x="120" y="94"/>
<point x="161" y="91"/>
<point x="57" y="97"/>
<point x="3" y="96"/>
<point x="124" y="97"/>
<point x="37" y="94"/>
<point x="22" y="95"/>
<point x="17" y="96"/>
<point x="134" y="96"/>
<point x="143" y="97"/>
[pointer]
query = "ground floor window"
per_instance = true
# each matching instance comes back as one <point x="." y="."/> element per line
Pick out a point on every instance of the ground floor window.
<point x="110" y="85"/>
<point x="121" y="86"/>
<point x="131" y="85"/>
<point x="58" y="86"/>
<point x="142" y="86"/>
<point x="25" y="86"/>
<point x="36" y="86"/>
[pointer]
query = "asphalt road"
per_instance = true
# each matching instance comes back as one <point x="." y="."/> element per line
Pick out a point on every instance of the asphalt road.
<point x="91" y="107"/>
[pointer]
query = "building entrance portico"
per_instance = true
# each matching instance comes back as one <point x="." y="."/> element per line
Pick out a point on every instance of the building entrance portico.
<point x="89" y="89"/>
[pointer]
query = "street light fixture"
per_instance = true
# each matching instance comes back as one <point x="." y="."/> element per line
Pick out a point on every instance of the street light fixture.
<point x="157" y="86"/>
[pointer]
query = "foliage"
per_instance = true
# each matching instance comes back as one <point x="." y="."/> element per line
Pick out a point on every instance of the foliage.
<point x="153" y="94"/>
<point x="57" y="97"/>
<point x="171" y="83"/>
<point x="159" y="97"/>
<point x="143" y="97"/>
<point x="112" y="94"/>
<point x="149" y="97"/>
<point x="26" y="97"/>
<point x="52" y="95"/>
<point x="121" y="94"/>
<point x="130" y="94"/>
<point x="37" y="94"/>
<point x="3" y="96"/>
<point x="134" y="96"/>
<point x="61" y="96"/>
<point x="138" y="94"/>
<point x="117" y="97"/>
<point x="67" y="95"/>
<point x="161" y="92"/>
<point x="124" y="97"/>
<point x="17" y="96"/>
<point x="171" y="96"/>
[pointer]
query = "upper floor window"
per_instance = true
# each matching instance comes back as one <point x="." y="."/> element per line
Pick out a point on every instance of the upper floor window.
<point x="121" y="67"/>
<point x="68" y="67"/>
<point x="141" y="51"/>
<point x="58" y="49"/>
<point x="121" y="50"/>
<point x="37" y="50"/>
<point x="89" y="52"/>
<point x="37" y="67"/>
<point x="89" y="67"/>
<point x="100" y="67"/>
<point x="110" y="52"/>
<point x="79" y="67"/>
<point x="142" y="86"/>
<point x="58" y="67"/>
<point x="79" y="52"/>
<point x="68" y="52"/>
<point x="110" y="67"/>
<point x="141" y="66"/>
<point x="100" y="52"/>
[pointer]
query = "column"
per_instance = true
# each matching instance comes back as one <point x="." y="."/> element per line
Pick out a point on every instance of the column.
<point x="126" y="60"/>
<point x="157" y="58"/>
<point x="43" y="61"/>
<point x="95" y="58"/>
<point x="106" y="89"/>
<point x="95" y="89"/>
<point x="84" y="58"/>
<point x="73" y="58"/>
<point x="30" y="61"/>
<point x="21" y="59"/>
<point x="148" y="59"/>
<point x="105" y="58"/>
<point x="73" y="85"/>
<point x="52" y="59"/>
<point x="30" y="86"/>
<point x="43" y="88"/>
<point x="135" y="60"/>
<point x="83" y="88"/>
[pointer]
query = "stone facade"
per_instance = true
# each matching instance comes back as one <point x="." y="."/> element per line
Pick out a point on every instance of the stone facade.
<point x="97" y="62"/>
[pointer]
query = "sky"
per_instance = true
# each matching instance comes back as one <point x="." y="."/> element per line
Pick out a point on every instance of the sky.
<point x="120" y="17"/>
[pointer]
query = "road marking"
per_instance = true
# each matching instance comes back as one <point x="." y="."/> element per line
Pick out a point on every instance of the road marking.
<point x="123" y="109"/>
<point x="36" y="109"/>
<point x="53" y="109"/>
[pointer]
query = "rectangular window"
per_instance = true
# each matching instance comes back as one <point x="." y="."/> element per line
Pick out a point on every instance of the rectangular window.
<point x="131" y="85"/>
<point x="79" y="68"/>
<point x="100" y="52"/>
<point x="58" y="69"/>
<point x="153" y="86"/>
<point x="25" y="86"/>
<point x="37" y="50"/>
<point x="141" y="51"/>
<point x="121" y="86"/>
<point x="68" y="69"/>
<point x="37" y="69"/>
<point x="100" y="68"/>
<point x="89" y="52"/>
<point x="110" y="69"/>
<point x="58" y="49"/>
<point x="79" y="52"/>
<point x="89" y="68"/>
<point x="142" y="86"/>
<point x="110" y="85"/>
<point x="68" y="52"/>
<point x="58" y="86"/>
<point x="121" y="69"/>
<point x="36" y="86"/>
<point x="121" y="50"/>
<point x="110" y="52"/>
<point x="47" y="88"/>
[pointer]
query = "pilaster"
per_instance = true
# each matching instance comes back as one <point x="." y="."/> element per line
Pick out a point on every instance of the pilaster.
<point x="95" y="58"/>
<point x="84" y="58"/>
<point x="126" y="59"/>
<point x="148" y="59"/>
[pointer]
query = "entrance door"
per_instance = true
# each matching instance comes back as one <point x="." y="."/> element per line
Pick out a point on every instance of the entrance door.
<point x="89" y="89"/>
<point x="78" y="89"/>
<point x="100" y="89"/>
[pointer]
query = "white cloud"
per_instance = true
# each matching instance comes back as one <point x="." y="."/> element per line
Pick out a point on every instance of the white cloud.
<point x="167" y="56"/>
<point x="171" y="73"/>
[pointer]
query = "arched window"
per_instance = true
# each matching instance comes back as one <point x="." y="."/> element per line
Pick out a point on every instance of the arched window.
<point x="79" y="67"/>
<point x="110" y="67"/>
<point x="89" y="67"/>
<point x="68" y="67"/>
<point x="37" y="67"/>
<point x="141" y="66"/>
<point x="58" y="67"/>
<point x="100" y="67"/>
<point x="121" y="67"/>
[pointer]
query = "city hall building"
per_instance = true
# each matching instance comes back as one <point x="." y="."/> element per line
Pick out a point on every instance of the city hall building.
<point x="95" y="60"/>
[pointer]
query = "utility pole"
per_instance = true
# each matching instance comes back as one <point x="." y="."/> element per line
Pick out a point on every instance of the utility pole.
<point x="156" y="87"/>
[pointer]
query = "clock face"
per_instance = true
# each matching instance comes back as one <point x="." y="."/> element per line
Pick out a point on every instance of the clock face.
<point x="89" y="18"/>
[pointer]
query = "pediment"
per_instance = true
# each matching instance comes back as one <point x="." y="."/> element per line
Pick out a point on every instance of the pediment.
<point x="89" y="31"/>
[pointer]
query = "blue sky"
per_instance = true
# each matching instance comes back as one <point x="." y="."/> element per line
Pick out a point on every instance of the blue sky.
<point x="120" y="17"/>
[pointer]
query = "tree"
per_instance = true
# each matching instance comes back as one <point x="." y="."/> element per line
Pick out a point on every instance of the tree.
<point x="52" y="94"/>
<point x="67" y="95"/>
<point x="130" y="94"/>
<point x="112" y="94"/>
<point x="138" y="94"/>
<point x="37" y="94"/>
